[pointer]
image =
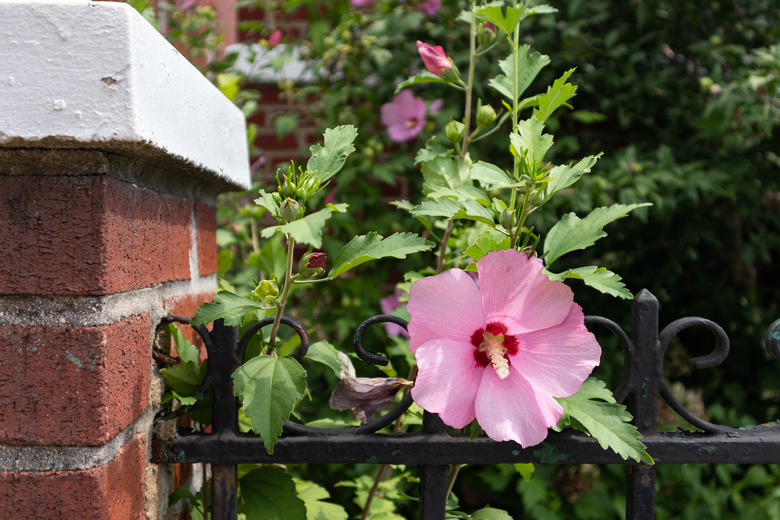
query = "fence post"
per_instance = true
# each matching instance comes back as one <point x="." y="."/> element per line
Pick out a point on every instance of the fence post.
<point x="644" y="373"/>
<point x="112" y="151"/>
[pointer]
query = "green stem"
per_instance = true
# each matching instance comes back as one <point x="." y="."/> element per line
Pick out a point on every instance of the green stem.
<point x="470" y="80"/>
<point x="454" y="469"/>
<point x="285" y="289"/>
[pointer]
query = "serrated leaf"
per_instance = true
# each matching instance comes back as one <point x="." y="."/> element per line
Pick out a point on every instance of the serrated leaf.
<point x="424" y="77"/>
<point x="433" y="148"/>
<point x="327" y="160"/>
<point x="595" y="409"/>
<point x="524" y="68"/>
<point x="599" y="278"/>
<point x="266" y="200"/>
<point x="564" y="175"/>
<point x="571" y="233"/>
<point x="228" y="306"/>
<point x="506" y="22"/>
<point x="486" y="243"/>
<point x="491" y="176"/>
<point x="453" y="210"/>
<point x="490" y="513"/>
<point x="529" y="142"/>
<point x="188" y="353"/>
<point x="540" y="9"/>
<point x="326" y="354"/>
<point x="462" y="194"/>
<point x="269" y="493"/>
<point x="373" y="246"/>
<point x="313" y="497"/>
<point x="556" y="96"/>
<point x="307" y="230"/>
<point x="269" y="387"/>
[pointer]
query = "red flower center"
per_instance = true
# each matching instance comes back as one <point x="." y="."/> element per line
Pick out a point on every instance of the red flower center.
<point x="493" y="345"/>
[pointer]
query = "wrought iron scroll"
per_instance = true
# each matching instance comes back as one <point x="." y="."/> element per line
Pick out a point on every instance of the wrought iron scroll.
<point x="433" y="448"/>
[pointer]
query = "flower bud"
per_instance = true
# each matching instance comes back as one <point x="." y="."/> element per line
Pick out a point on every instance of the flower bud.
<point x="508" y="219"/>
<point x="436" y="61"/>
<point x="485" y="116"/>
<point x="267" y="291"/>
<point x="312" y="265"/>
<point x="289" y="210"/>
<point x="454" y="131"/>
<point x="487" y="33"/>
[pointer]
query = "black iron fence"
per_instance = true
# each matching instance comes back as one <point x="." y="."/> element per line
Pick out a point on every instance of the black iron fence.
<point x="433" y="449"/>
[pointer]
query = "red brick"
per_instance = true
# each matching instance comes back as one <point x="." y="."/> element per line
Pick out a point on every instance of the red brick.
<point x="113" y="491"/>
<point x="77" y="386"/>
<point x="89" y="235"/>
<point x="206" y="225"/>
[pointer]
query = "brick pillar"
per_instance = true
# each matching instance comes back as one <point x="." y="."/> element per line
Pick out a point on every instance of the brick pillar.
<point x="112" y="151"/>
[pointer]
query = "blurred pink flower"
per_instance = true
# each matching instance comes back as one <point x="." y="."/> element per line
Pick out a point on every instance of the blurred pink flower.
<point x="275" y="38"/>
<point x="434" y="58"/>
<point x="430" y="7"/>
<point x="500" y="352"/>
<point x="388" y="304"/>
<point x="404" y="117"/>
<point x="185" y="4"/>
<point x="435" y="106"/>
<point x="360" y="3"/>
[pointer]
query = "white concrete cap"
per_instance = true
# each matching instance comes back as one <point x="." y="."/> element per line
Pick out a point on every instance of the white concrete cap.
<point x="75" y="74"/>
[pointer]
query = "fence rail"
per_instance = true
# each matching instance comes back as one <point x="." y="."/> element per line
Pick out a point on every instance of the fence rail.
<point x="433" y="449"/>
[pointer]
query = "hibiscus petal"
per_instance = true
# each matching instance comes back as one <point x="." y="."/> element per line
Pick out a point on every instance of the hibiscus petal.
<point x="444" y="306"/>
<point x="509" y="409"/>
<point x="401" y="133"/>
<point x="557" y="360"/>
<point x="390" y="115"/>
<point x="447" y="380"/>
<point x="516" y="291"/>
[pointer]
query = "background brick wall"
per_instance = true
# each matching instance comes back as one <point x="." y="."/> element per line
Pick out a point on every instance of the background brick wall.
<point x="91" y="264"/>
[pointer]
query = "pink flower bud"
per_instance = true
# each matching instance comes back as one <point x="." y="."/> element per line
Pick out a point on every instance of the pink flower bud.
<point x="317" y="260"/>
<point x="275" y="38"/>
<point x="434" y="58"/>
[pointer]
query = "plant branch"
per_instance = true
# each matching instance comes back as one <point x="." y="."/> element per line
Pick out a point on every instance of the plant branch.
<point x="285" y="291"/>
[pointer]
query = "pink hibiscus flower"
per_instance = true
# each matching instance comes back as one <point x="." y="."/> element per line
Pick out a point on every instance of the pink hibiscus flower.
<point x="499" y="352"/>
<point x="434" y="58"/>
<point x="430" y="7"/>
<point x="404" y="117"/>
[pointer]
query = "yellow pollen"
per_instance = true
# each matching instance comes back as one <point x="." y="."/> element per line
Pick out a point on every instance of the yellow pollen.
<point x="493" y="346"/>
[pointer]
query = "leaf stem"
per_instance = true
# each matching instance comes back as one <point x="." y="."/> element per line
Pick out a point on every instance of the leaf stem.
<point x="285" y="289"/>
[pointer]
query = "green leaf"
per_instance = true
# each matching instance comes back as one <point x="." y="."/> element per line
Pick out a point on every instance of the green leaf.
<point x="524" y="69"/>
<point x="557" y="95"/>
<point x="462" y="194"/>
<point x="486" y="243"/>
<point x="324" y="353"/>
<point x="187" y="351"/>
<point x="445" y="172"/>
<point x="183" y="379"/>
<point x="452" y="210"/>
<point x="433" y="148"/>
<point x="313" y="496"/>
<point x="373" y="246"/>
<point x="491" y="176"/>
<point x="269" y="493"/>
<point x="327" y="160"/>
<point x="564" y="175"/>
<point x="594" y="408"/>
<point x="529" y="142"/>
<point x="307" y="230"/>
<point x="572" y="233"/>
<point x="269" y="388"/>
<point x="424" y="77"/>
<point x="599" y="278"/>
<point x="227" y="305"/>
<point x="267" y="201"/>
<point x="489" y="513"/>
<point x="506" y="22"/>
<point x="526" y="470"/>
